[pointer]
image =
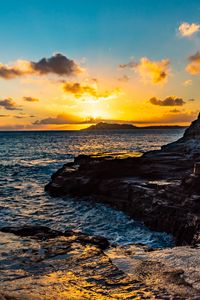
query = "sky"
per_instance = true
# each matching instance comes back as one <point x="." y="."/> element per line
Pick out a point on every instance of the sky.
<point x="68" y="64"/>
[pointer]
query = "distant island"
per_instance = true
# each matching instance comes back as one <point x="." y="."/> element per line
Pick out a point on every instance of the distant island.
<point x="115" y="126"/>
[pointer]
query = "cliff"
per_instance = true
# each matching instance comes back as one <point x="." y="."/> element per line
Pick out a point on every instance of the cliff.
<point x="152" y="188"/>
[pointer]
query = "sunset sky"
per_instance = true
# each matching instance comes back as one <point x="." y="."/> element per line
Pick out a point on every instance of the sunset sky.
<point x="66" y="64"/>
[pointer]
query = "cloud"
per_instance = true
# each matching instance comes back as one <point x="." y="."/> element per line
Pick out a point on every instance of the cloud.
<point x="187" y="30"/>
<point x="175" y="111"/>
<point x="124" y="78"/>
<point x="187" y="82"/>
<point x="22" y="115"/>
<point x="129" y="65"/>
<point x="57" y="64"/>
<point x="7" y="72"/>
<point x="173" y="117"/>
<point x="78" y="90"/>
<point x="89" y="92"/>
<point x="30" y="99"/>
<point x="19" y="117"/>
<point x="155" y="71"/>
<point x="168" y="118"/>
<point x="9" y="104"/>
<point x="169" y="101"/>
<point x="179" y="118"/>
<point x="60" y="119"/>
<point x="67" y="119"/>
<point x="194" y="64"/>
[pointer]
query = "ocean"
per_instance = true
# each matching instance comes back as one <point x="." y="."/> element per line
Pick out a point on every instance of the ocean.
<point x="28" y="160"/>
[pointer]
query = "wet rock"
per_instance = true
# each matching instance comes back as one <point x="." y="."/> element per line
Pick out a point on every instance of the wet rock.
<point x="191" y="184"/>
<point x="38" y="231"/>
<point x="177" y="268"/>
<point x="156" y="188"/>
<point x="43" y="232"/>
<point x="65" y="267"/>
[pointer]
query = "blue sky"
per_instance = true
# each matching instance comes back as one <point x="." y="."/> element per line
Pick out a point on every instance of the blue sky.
<point x="98" y="36"/>
<point x="92" y="28"/>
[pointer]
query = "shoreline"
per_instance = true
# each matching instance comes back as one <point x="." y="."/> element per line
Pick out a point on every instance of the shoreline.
<point x="157" y="188"/>
<point x="130" y="184"/>
<point x="50" y="264"/>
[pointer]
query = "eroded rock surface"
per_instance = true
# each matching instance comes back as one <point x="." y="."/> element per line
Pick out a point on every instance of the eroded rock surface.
<point x="40" y="263"/>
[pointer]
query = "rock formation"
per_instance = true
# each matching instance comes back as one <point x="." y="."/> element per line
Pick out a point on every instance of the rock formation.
<point x="156" y="188"/>
<point x="38" y="263"/>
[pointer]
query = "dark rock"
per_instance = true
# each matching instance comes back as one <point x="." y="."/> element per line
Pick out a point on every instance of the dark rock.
<point x="35" y="230"/>
<point x="98" y="241"/>
<point x="156" y="188"/>
<point x="43" y="232"/>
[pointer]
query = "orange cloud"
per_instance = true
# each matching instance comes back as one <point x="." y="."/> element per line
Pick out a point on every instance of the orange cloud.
<point x="194" y="64"/>
<point x="30" y="99"/>
<point x="155" y="71"/>
<point x="186" y="29"/>
<point x="7" y="72"/>
<point x="89" y="92"/>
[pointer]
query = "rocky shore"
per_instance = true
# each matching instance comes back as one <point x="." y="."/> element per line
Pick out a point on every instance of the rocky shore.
<point x="157" y="188"/>
<point x="38" y="263"/>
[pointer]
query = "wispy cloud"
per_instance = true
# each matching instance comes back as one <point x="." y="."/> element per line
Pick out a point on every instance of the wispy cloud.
<point x="169" y="101"/>
<point x="9" y="104"/>
<point x="187" y="29"/>
<point x="4" y="116"/>
<point x="154" y="71"/>
<point x="57" y="64"/>
<point x="23" y="115"/>
<point x="194" y="64"/>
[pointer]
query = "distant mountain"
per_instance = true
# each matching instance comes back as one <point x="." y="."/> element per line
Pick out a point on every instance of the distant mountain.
<point x="114" y="126"/>
<point x="111" y="126"/>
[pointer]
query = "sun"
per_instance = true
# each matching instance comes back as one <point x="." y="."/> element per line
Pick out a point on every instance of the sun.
<point x="95" y="111"/>
<point x="96" y="115"/>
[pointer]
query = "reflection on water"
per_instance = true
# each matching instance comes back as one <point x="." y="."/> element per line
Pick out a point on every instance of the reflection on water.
<point x="63" y="268"/>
